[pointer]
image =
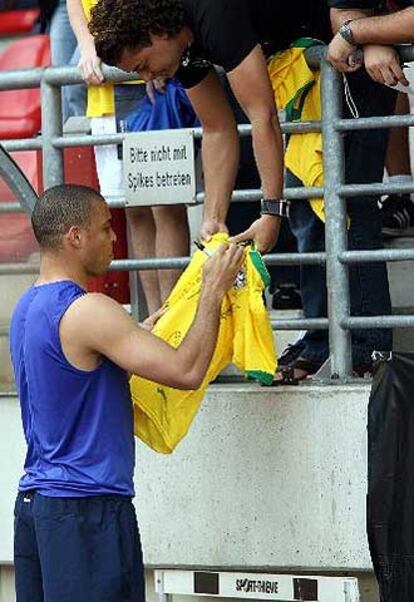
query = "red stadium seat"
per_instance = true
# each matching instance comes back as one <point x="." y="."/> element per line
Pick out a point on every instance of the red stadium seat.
<point x="20" y="109"/>
<point x="17" y="241"/>
<point x="16" y="22"/>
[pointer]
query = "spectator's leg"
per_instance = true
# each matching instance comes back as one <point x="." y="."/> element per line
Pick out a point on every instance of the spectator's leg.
<point x="398" y="209"/>
<point x="75" y="96"/>
<point x="285" y="285"/>
<point x="143" y="232"/>
<point x="397" y="160"/>
<point x="309" y="232"/>
<point x="62" y="44"/>
<point x="109" y="169"/>
<point x="365" y="156"/>
<point x="172" y="240"/>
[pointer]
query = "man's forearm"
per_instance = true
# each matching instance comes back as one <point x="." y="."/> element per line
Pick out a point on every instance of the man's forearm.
<point x="196" y="350"/>
<point x="396" y="28"/>
<point x="268" y="152"/>
<point x="339" y="16"/>
<point x="220" y="150"/>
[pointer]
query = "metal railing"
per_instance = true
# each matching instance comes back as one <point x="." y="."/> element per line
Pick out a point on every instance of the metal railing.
<point x="337" y="258"/>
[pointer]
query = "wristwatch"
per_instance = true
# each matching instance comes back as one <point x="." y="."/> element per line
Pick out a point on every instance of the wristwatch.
<point x="276" y="207"/>
<point x="345" y="32"/>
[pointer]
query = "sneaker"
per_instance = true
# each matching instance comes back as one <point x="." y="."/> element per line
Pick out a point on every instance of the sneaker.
<point x="398" y="215"/>
<point x="286" y="296"/>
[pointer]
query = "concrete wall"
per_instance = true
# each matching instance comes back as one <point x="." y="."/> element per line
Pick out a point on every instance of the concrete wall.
<point x="269" y="478"/>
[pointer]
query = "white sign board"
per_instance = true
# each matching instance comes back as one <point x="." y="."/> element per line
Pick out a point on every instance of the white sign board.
<point x="255" y="586"/>
<point x="159" y="168"/>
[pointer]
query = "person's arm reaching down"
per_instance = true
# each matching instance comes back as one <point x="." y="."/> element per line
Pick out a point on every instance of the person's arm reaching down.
<point x="220" y="151"/>
<point x="252" y="87"/>
<point x="89" y="63"/>
<point x="96" y="326"/>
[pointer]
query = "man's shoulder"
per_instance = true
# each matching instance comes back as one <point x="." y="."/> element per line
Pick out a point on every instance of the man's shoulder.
<point x="92" y="304"/>
<point x="93" y="315"/>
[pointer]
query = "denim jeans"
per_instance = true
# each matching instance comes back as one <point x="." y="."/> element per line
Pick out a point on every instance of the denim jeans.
<point x="64" y="52"/>
<point x="369" y="291"/>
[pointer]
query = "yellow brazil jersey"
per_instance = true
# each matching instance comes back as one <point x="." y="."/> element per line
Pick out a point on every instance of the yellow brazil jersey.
<point x="163" y="415"/>
<point x="297" y="90"/>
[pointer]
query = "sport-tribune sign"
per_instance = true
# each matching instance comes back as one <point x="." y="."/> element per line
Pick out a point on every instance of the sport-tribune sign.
<point x="159" y="168"/>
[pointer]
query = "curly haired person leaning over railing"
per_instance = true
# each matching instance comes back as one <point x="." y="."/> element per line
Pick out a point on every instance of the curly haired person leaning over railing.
<point x="185" y="38"/>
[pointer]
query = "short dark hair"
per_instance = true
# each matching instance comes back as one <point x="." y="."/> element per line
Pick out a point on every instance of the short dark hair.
<point x="58" y="209"/>
<point x="120" y="24"/>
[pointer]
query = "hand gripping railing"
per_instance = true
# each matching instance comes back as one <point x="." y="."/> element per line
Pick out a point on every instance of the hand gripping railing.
<point x="337" y="257"/>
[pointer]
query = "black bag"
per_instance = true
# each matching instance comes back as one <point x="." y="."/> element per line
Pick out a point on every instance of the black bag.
<point x="390" y="500"/>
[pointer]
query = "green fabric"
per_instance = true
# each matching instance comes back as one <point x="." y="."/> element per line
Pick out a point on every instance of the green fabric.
<point x="294" y="107"/>
<point x="306" y="43"/>
<point x="259" y="264"/>
<point x="264" y="378"/>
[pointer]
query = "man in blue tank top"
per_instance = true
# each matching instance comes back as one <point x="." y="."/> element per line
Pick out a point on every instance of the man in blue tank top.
<point x="76" y="534"/>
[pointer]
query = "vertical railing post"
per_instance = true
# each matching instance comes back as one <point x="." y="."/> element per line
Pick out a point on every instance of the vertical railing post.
<point x="51" y="97"/>
<point x="336" y="223"/>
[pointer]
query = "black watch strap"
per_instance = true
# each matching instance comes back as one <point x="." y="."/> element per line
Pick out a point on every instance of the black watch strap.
<point x="276" y="207"/>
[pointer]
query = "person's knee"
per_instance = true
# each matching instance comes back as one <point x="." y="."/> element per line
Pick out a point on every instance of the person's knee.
<point x="139" y="215"/>
<point x="175" y="214"/>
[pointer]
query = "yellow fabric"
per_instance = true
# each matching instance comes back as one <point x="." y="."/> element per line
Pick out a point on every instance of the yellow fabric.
<point x="292" y="79"/>
<point x="100" y="99"/>
<point x="163" y="415"/>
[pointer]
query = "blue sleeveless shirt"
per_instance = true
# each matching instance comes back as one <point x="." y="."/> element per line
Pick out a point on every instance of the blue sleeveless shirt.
<point x="78" y="424"/>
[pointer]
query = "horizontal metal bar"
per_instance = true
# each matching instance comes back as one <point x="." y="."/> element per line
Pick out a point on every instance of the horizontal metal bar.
<point x="301" y="127"/>
<point x="256" y="194"/>
<point x="118" y="138"/>
<point x="127" y="265"/>
<point x="22" y="144"/>
<point x="370" y="123"/>
<point x="295" y="259"/>
<point x="239" y="196"/>
<point x="400" y="321"/>
<point x="375" y="189"/>
<point x="363" y="322"/>
<point x="20" y="79"/>
<point x="87" y="140"/>
<point x="18" y="268"/>
<point x="11" y="208"/>
<point x="181" y="262"/>
<point x="244" y="196"/>
<point x="301" y="324"/>
<point x="351" y="257"/>
<point x="160" y="263"/>
<point x="69" y="75"/>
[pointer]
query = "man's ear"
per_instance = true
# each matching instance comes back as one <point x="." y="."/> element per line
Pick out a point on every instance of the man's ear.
<point x="73" y="236"/>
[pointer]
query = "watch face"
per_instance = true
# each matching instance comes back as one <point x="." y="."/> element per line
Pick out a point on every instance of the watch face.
<point x="346" y="33"/>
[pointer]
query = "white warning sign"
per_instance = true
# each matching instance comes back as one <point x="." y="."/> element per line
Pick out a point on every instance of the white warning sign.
<point x="159" y="168"/>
